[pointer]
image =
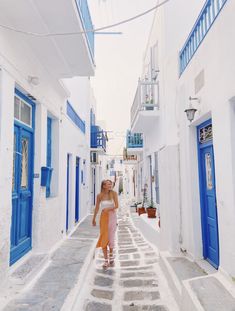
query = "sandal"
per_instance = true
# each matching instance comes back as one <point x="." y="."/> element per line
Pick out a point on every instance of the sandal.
<point x="106" y="264"/>
<point x="111" y="260"/>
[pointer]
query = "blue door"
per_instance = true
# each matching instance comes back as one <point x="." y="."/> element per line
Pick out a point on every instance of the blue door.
<point x="67" y="195"/>
<point x="22" y="185"/>
<point x="208" y="195"/>
<point x="77" y="190"/>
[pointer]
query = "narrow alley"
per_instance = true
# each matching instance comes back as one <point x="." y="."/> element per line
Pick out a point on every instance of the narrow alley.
<point x="123" y="110"/>
<point x="135" y="283"/>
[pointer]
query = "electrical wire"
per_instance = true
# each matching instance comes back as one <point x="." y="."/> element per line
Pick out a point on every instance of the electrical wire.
<point x="44" y="35"/>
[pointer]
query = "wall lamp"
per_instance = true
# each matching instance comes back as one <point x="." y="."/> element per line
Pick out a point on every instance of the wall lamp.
<point x="190" y="111"/>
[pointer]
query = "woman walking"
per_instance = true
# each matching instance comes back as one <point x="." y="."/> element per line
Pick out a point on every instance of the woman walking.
<point x="107" y="200"/>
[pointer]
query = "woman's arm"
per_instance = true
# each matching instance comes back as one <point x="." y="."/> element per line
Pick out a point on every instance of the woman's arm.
<point x="97" y="206"/>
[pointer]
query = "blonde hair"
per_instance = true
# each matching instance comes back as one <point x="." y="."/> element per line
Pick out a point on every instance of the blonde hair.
<point x="111" y="192"/>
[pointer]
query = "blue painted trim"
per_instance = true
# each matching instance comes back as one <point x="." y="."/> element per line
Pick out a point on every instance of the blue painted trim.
<point x="134" y="140"/>
<point x="67" y="194"/>
<point x="77" y="191"/>
<point x="49" y="152"/>
<point x="21" y="249"/>
<point x="75" y="118"/>
<point x="85" y="16"/>
<point x="202" y="192"/>
<point x="199" y="32"/>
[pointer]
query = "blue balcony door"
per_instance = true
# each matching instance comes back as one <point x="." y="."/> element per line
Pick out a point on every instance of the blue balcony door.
<point x="67" y="192"/>
<point x="77" y="189"/>
<point x="22" y="188"/>
<point x="208" y="196"/>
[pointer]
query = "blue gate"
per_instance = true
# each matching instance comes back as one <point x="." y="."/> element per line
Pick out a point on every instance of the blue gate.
<point x="22" y="179"/>
<point x="77" y="190"/>
<point x="208" y="194"/>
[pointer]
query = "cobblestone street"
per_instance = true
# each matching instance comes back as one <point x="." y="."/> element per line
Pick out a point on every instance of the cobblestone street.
<point x="135" y="283"/>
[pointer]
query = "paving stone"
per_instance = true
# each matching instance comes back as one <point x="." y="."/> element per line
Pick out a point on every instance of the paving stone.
<point x="97" y="306"/>
<point x="140" y="295"/>
<point x="150" y="254"/>
<point x="138" y="268"/>
<point x="151" y="261"/>
<point x="139" y="283"/>
<point x="102" y="281"/>
<point x="136" y="256"/>
<point x="144" y="308"/>
<point x="104" y="294"/>
<point x="129" y="263"/>
<point x="126" y="246"/>
<point x="124" y="257"/>
<point x="137" y="274"/>
<point x="125" y="242"/>
<point x="110" y="272"/>
<point x="128" y="251"/>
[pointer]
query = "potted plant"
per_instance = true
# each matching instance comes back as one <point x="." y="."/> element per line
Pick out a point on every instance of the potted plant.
<point x="151" y="210"/>
<point x="142" y="210"/>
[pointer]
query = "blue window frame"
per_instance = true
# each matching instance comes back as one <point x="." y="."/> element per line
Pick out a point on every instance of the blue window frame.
<point x="49" y="151"/>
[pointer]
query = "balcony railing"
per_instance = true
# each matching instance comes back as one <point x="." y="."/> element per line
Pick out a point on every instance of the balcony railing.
<point x="206" y="18"/>
<point x="134" y="140"/>
<point x="146" y="98"/>
<point x="85" y="16"/>
<point x="98" y="138"/>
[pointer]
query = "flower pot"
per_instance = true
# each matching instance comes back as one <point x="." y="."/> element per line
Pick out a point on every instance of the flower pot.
<point x="151" y="211"/>
<point x="141" y="210"/>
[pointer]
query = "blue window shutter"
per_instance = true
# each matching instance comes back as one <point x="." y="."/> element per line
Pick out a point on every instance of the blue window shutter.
<point x="49" y="122"/>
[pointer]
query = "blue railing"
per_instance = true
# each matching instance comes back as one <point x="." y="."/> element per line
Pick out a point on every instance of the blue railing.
<point x="75" y="118"/>
<point x="98" y="138"/>
<point x="206" y="18"/>
<point x="85" y="16"/>
<point x="134" y="140"/>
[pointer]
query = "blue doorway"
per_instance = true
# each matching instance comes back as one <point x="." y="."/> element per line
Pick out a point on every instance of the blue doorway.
<point x="67" y="193"/>
<point x="209" y="218"/>
<point x="22" y="178"/>
<point x="77" y="189"/>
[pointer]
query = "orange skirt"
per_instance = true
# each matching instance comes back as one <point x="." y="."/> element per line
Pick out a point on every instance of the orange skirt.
<point x="108" y="224"/>
<point x="104" y="233"/>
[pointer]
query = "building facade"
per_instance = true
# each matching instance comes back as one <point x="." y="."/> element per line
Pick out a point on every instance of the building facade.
<point x="188" y="166"/>
<point x="44" y="126"/>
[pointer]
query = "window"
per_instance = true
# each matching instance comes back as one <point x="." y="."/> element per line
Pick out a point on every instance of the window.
<point x="156" y="175"/>
<point x="22" y="111"/>
<point x="49" y="150"/>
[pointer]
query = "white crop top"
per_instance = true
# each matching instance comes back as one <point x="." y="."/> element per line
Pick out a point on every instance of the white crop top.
<point x="106" y="204"/>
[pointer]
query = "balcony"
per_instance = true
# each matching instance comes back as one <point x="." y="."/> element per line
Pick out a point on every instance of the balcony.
<point x="48" y="24"/>
<point x="98" y="139"/>
<point x="145" y="108"/>
<point x="206" y="18"/>
<point x="129" y="158"/>
<point x="85" y="15"/>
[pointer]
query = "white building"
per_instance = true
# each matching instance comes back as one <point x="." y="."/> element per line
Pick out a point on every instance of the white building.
<point x="189" y="167"/>
<point x="44" y="125"/>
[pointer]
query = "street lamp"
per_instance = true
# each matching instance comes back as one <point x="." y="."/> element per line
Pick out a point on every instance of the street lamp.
<point x="190" y="111"/>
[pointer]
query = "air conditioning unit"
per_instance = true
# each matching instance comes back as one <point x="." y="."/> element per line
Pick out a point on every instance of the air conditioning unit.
<point x="94" y="157"/>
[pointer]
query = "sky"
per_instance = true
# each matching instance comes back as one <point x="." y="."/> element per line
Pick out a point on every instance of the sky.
<point x="118" y="61"/>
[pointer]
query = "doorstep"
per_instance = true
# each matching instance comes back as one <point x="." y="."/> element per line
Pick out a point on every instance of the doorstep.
<point x="57" y="285"/>
<point x="196" y="288"/>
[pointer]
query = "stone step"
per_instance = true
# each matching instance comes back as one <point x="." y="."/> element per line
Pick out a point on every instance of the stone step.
<point x="207" y="294"/>
<point x="29" y="268"/>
